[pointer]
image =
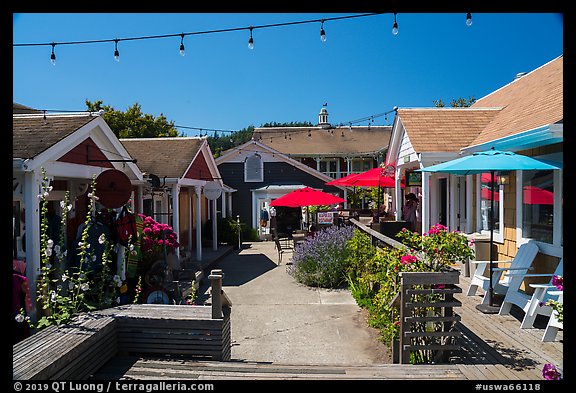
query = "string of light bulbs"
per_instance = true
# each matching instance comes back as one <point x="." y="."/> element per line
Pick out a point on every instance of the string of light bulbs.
<point x="182" y="49"/>
<point x="285" y="134"/>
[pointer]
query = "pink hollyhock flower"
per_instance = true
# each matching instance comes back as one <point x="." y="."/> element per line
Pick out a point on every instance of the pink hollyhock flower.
<point x="550" y="373"/>
<point x="558" y="282"/>
<point x="407" y="259"/>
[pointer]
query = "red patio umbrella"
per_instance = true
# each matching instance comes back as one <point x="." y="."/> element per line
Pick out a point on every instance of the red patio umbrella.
<point x="537" y="196"/>
<point x="343" y="181"/>
<point x="306" y="197"/>
<point x="532" y="196"/>
<point x="373" y="178"/>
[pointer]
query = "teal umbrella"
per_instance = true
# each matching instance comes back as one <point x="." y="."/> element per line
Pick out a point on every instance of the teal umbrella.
<point x="491" y="161"/>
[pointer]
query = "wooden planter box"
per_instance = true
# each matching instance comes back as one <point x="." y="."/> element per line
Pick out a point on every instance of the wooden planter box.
<point x="412" y="314"/>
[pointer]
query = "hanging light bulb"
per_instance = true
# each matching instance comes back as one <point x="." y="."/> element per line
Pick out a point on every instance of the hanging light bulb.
<point x="322" y="32"/>
<point x="468" y="19"/>
<point x="52" y="55"/>
<point x="182" y="53"/>
<point x="116" y="53"/>
<point x="251" y="40"/>
<point x="395" y="26"/>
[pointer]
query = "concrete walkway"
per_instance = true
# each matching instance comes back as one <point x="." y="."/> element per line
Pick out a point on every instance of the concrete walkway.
<point x="275" y="319"/>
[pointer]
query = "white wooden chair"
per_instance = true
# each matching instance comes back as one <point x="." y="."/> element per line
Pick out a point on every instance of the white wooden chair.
<point x="520" y="264"/>
<point x="553" y="323"/>
<point x="530" y="304"/>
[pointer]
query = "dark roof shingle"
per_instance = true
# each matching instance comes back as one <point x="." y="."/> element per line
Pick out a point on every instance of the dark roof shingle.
<point x="168" y="157"/>
<point x="32" y="134"/>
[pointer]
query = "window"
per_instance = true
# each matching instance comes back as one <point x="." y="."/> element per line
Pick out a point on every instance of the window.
<point x="361" y="165"/>
<point x="329" y="167"/>
<point x="253" y="169"/>
<point x="485" y="197"/>
<point x="538" y="218"/>
<point x="539" y="201"/>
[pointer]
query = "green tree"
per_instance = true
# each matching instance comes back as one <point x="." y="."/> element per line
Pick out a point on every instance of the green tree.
<point x="219" y="144"/>
<point x="456" y="102"/>
<point x="133" y="123"/>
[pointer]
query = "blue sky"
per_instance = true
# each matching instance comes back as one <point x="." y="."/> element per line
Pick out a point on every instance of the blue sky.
<point x="361" y="70"/>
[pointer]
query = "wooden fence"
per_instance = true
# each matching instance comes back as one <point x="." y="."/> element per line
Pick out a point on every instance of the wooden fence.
<point x="425" y="303"/>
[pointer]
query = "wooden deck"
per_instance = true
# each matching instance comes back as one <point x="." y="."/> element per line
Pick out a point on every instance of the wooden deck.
<point x="497" y="340"/>
<point x="493" y="348"/>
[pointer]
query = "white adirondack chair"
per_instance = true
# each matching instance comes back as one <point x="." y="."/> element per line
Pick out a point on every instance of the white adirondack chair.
<point x="530" y="304"/>
<point x="553" y="323"/>
<point x="520" y="264"/>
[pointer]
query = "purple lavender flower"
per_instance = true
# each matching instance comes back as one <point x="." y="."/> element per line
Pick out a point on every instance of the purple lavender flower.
<point x="321" y="260"/>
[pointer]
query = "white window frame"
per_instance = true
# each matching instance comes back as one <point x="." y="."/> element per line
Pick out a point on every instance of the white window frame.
<point x="254" y="179"/>
<point x="556" y="248"/>
<point x="498" y="236"/>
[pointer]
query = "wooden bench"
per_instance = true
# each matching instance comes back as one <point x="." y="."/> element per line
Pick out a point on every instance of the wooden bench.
<point x="172" y="330"/>
<point x="72" y="351"/>
<point x="78" y="349"/>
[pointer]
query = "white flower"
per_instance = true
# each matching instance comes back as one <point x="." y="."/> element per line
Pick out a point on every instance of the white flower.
<point x="64" y="277"/>
<point x="117" y="280"/>
<point x="49" y="188"/>
<point x="85" y="286"/>
<point x="19" y="318"/>
<point x="102" y="239"/>
<point x="45" y="195"/>
<point x="93" y="258"/>
<point x="89" y="195"/>
<point x="65" y="253"/>
<point x="62" y="204"/>
<point x="48" y="266"/>
<point x="57" y="248"/>
<point x="53" y="296"/>
<point x="48" y="252"/>
<point x="70" y="285"/>
<point x="131" y="247"/>
<point x="50" y="243"/>
<point x="87" y="245"/>
<point x="80" y="244"/>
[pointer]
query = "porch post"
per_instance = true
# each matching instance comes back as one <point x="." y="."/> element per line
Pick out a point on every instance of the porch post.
<point x="32" y="189"/>
<point x="140" y="198"/>
<point x="214" y="226"/>
<point x="223" y="207"/>
<point x="198" y="190"/>
<point x="176" y="214"/>
<point x="190" y="222"/>
<point x="425" y="201"/>
<point x="229" y="204"/>
<point x="469" y="194"/>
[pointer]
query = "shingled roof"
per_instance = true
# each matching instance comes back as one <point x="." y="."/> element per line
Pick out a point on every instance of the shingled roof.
<point x="444" y="129"/>
<point x="337" y="141"/>
<point x="168" y="157"/>
<point x="531" y="101"/>
<point x="32" y="134"/>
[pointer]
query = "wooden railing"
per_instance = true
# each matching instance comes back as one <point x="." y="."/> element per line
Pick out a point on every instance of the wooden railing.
<point x="378" y="239"/>
<point x="425" y="303"/>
